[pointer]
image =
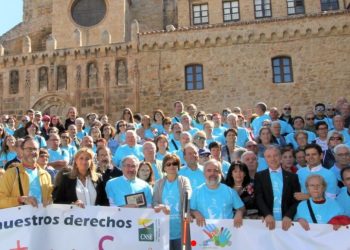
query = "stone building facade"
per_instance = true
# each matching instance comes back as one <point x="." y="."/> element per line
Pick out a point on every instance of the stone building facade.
<point x="104" y="55"/>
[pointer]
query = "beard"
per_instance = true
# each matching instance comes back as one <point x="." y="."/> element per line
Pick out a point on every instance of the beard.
<point x="213" y="182"/>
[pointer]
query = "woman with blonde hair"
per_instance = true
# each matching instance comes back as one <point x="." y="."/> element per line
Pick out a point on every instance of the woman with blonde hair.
<point x="82" y="186"/>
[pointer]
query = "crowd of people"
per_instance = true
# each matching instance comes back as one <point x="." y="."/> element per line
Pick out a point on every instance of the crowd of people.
<point x="268" y="164"/>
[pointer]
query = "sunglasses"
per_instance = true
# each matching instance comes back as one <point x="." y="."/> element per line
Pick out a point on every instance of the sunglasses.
<point x="287" y="108"/>
<point x="175" y="164"/>
<point x="335" y="138"/>
<point x="310" y="118"/>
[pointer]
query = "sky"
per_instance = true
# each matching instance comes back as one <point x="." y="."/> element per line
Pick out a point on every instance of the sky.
<point x="11" y="13"/>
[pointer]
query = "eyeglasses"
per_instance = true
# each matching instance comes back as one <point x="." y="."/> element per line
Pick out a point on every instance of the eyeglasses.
<point x="330" y="109"/>
<point x="64" y="137"/>
<point x="310" y="118"/>
<point x="31" y="149"/>
<point x="44" y="156"/>
<point x="344" y="155"/>
<point x="200" y="138"/>
<point x="167" y="123"/>
<point x="335" y="138"/>
<point x="122" y="125"/>
<point x="175" y="164"/>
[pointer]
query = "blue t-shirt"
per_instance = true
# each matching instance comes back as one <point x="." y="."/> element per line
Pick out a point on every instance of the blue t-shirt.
<point x="173" y="141"/>
<point x="81" y="134"/>
<point x="219" y="131"/>
<point x="158" y="127"/>
<point x="215" y="203"/>
<point x="6" y="157"/>
<point x="323" y="212"/>
<point x="290" y="138"/>
<point x="329" y="177"/>
<point x="58" y="155"/>
<point x="112" y="145"/>
<point x="343" y="199"/>
<point x="196" y="177"/>
<point x="41" y="141"/>
<point x="225" y="165"/>
<point x="160" y="156"/>
<point x="34" y="184"/>
<point x="258" y="122"/>
<point x="125" y="150"/>
<point x="72" y="150"/>
<point x="117" y="188"/>
<point x="180" y="154"/>
<point x="171" y="197"/>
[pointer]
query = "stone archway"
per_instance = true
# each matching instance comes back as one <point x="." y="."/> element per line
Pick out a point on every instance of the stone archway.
<point x="52" y="105"/>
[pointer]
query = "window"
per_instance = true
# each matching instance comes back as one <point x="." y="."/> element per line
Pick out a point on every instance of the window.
<point x="200" y="14"/>
<point x="231" y="10"/>
<point x="262" y="8"/>
<point x="194" y="77"/>
<point x="329" y="5"/>
<point x="282" y="69"/>
<point x="88" y="12"/>
<point x="295" y="7"/>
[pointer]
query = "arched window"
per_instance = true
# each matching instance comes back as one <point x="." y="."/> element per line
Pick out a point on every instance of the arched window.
<point x="282" y="69"/>
<point x="194" y="77"/>
<point x="14" y="82"/>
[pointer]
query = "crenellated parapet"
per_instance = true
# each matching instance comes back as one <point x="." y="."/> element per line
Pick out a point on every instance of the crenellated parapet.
<point x="260" y="31"/>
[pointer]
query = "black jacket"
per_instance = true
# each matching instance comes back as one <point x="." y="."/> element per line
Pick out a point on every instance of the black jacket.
<point x="264" y="193"/>
<point x="65" y="192"/>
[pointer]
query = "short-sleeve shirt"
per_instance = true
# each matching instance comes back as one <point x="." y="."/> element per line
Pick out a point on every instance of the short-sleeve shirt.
<point x="215" y="203"/>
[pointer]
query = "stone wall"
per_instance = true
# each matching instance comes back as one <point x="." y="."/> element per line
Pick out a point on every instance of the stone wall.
<point x="237" y="68"/>
<point x="147" y="70"/>
<point x="148" y="13"/>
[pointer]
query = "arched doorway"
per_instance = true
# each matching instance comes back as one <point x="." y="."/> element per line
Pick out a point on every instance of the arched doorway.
<point x="52" y="105"/>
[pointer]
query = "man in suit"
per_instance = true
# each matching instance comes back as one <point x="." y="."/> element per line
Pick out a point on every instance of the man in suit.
<point x="274" y="191"/>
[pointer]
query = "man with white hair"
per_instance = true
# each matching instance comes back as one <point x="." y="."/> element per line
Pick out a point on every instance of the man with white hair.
<point x="119" y="189"/>
<point x="186" y="122"/>
<point x="79" y="123"/>
<point x="192" y="170"/>
<point x="213" y="200"/>
<point x="129" y="148"/>
<point x="185" y="138"/>
<point x="276" y="132"/>
<point x="286" y="128"/>
<point x="250" y="159"/>
<point x="149" y="151"/>
<point x="342" y="160"/>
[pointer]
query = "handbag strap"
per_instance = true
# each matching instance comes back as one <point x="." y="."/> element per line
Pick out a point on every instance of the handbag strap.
<point x="19" y="182"/>
<point x="311" y="212"/>
<point x="173" y="142"/>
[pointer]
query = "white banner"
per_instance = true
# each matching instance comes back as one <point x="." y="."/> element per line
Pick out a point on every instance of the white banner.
<point x="220" y="234"/>
<point x="63" y="227"/>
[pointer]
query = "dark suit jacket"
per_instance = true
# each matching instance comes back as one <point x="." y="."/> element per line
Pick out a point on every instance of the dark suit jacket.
<point x="65" y="192"/>
<point x="264" y="193"/>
